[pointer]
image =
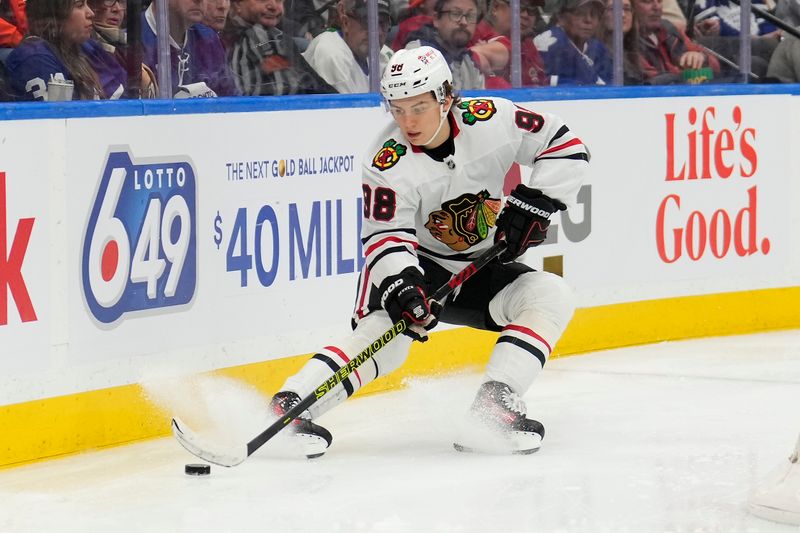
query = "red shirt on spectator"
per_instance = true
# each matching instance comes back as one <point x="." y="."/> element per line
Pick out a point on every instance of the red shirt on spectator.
<point x="662" y="51"/>
<point x="13" y="23"/>
<point x="483" y="32"/>
<point x="407" y="27"/>
<point x="532" y="64"/>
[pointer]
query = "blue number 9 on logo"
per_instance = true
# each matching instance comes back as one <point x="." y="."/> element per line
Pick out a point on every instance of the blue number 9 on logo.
<point x="139" y="251"/>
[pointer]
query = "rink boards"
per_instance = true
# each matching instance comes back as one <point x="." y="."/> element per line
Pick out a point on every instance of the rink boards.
<point x="141" y="247"/>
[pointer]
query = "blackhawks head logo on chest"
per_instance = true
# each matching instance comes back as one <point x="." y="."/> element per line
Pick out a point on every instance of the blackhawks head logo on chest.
<point x="464" y="221"/>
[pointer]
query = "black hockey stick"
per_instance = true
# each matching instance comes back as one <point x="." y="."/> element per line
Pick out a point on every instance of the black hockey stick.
<point x="232" y="456"/>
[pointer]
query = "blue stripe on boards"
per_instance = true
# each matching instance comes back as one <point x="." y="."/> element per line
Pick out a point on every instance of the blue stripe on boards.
<point x="644" y="91"/>
<point x="244" y="104"/>
<point x="237" y="104"/>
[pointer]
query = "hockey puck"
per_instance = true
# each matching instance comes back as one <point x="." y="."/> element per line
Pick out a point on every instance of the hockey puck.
<point x="197" y="469"/>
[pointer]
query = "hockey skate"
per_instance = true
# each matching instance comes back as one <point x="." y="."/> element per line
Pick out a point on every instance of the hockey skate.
<point x="314" y="438"/>
<point x="777" y="498"/>
<point x="497" y="423"/>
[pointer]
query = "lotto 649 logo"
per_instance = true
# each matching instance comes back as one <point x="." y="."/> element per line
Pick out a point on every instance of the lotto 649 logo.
<point x="139" y="251"/>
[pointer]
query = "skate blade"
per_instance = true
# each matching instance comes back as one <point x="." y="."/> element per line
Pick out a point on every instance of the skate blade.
<point x="466" y="449"/>
<point x="516" y="443"/>
<point x="768" y="512"/>
<point x="778" y="497"/>
<point x="313" y="446"/>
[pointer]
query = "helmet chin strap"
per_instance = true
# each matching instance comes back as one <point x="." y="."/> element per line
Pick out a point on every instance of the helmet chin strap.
<point x="442" y="118"/>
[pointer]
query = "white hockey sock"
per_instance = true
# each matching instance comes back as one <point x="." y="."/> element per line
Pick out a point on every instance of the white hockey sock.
<point x="517" y="358"/>
<point x="535" y="309"/>
<point x="331" y="358"/>
<point x="319" y="368"/>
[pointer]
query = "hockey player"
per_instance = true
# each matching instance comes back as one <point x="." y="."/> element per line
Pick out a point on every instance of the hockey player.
<point x="433" y="188"/>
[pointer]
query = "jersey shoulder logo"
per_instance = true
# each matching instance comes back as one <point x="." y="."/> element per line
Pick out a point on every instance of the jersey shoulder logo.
<point x="477" y="110"/>
<point x="389" y="154"/>
<point x="464" y="221"/>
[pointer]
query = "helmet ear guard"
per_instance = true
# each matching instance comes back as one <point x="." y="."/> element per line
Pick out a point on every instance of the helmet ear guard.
<point x="440" y="93"/>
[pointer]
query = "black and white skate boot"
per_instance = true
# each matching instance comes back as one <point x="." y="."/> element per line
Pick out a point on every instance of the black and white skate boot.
<point x="314" y="438"/>
<point x="497" y="423"/>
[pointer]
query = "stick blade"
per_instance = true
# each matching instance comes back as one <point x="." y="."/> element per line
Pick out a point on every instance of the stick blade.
<point x="194" y="444"/>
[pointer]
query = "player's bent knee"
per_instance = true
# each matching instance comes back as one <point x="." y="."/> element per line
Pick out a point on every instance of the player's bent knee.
<point x="552" y="291"/>
<point x="539" y="293"/>
<point x="393" y="355"/>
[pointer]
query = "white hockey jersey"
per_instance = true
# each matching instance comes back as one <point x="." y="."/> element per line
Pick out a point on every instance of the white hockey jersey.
<point x="446" y="210"/>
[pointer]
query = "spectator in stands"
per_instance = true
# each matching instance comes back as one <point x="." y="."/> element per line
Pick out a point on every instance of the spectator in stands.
<point x="572" y="53"/>
<point x="341" y="55"/>
<point x="58" y="60"/>
<point x="198" y="64"/>
<point x="311" y="16"/>
<point x="474" y="66"/>
<point x="268" y="13"/>
<point x="109" y="16"/>
<point x="789" y="12"/>
<point x="672" y="10"/>
<point x="498" y="20"/>
<point x="243" y="14"/>
<point x="784" y="65"/>
<point x="265" y="60"/>
<point x="13" y="25"/>
<point x="418" y="14"/>
<point x="299" y="32"/>
<point x="216" y="13"/>
<point x="631" y="56"/>
<point x="716" y="26"/>
<point x="666" y="51"/>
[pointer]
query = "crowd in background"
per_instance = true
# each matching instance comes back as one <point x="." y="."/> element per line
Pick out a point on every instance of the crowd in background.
<point x="80" y="49"/>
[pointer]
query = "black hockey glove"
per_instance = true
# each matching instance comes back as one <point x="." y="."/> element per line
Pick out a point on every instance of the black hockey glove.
<point x="524" y="220"/>
<point x="403" y="296"/>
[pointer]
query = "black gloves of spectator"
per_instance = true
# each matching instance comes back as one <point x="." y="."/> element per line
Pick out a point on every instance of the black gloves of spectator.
<point x="403" y="296"/>
<point x="524" y="220"/>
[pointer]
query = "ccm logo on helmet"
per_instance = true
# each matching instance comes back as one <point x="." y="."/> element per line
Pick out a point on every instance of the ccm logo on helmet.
<point x="528" y="207"/>
<point x="395" y="85"/>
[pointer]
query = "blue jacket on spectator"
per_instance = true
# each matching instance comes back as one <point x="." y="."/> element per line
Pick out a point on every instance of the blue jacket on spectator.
<point x="32" y="64"/>
<point x="566" y="65"/>
<point x="729" y="15"/>
<point x="113" y="76"/>
<point x="200" y="59"/>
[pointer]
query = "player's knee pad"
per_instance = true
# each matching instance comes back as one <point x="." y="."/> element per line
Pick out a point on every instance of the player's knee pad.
<point x="390" y="356"/>
<point x="537" y="299"/>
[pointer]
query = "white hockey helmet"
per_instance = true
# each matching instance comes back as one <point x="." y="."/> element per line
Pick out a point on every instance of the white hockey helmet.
<point x="415" y="71"/>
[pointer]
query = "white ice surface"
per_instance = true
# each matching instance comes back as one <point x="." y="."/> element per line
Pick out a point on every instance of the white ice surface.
<point x="661" y="438"/>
